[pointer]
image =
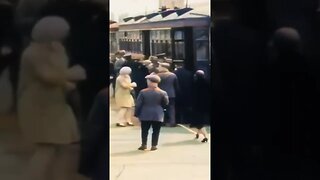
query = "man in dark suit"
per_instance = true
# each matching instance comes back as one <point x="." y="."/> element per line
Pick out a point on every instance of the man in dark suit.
<point x="169" y="83"/>
<point x="138" y="74"/>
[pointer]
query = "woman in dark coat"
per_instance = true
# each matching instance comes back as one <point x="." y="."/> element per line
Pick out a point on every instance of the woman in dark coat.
<point x="201" y="104"/>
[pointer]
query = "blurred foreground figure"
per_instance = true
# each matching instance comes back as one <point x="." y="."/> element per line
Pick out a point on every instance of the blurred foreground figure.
<point x="45" y="118"/>
<point x="94" y="148"/>
<point x="10" y="49"/>
<point x="87" y="43"/>
<point x="149" y="110"/>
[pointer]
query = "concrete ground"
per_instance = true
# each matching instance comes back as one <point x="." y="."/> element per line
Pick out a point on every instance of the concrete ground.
<point x="179" y="155"/>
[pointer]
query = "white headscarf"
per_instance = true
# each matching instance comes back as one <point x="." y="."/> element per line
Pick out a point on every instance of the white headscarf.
<point x="50" y="28"/>
<point x="125" y="71"/>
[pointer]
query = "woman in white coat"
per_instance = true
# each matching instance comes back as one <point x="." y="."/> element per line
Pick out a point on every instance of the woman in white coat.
<point x="45" y="118"/>
<point x="123" y="97"/>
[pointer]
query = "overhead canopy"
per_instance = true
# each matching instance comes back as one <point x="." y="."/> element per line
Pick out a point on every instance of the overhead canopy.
<point x="114" y="27"/>
<point x="166" y="19"/>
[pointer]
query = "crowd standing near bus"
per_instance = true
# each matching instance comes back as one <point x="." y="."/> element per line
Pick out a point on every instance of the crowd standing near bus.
<point x="184" y="100"/>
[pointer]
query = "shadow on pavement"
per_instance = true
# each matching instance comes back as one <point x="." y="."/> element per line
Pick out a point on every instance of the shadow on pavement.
<point x="176" y="129"/>
<point x="183" y="143"/>
<point x="128" y="153"/>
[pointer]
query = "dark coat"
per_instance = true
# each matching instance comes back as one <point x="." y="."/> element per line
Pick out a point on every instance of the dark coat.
<point x="185" y="78"/>
<point x="94" y="146"/>
<point x="169" y="83"/>
<point x="139" y="72"/>
<point x="150" y="103"/>
<point x="201" y="95"/>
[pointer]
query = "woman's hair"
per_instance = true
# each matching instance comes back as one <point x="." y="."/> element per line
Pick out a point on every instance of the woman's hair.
<point x="125" y="71"/>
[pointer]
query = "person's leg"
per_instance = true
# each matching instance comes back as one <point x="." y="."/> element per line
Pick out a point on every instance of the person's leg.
<point x="66" y="162"/>
<point x="156" y="126"/>
<point x="198" y="132"/>
<point x="128" y="116"/>
<point x="171" y="112"/>
<point x="40" y="163"/>
<point x="121" y="116"/>
<point x="145" y="126"/>
<point x="204" y="133"/>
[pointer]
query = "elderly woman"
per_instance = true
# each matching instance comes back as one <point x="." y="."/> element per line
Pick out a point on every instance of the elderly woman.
<point x="150" y="110"/>
<point x="45" y="118"/>
<point x="201" y="104"/>
<point x="123" y="97"/>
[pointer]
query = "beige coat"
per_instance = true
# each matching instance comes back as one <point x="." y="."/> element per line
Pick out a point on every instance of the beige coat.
<point x="43" y="113"/>
<point x="123" y="96"/>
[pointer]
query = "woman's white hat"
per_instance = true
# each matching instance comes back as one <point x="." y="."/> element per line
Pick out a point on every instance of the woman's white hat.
<point x="50" y="28"/>
<point x="200" y="72"/>
<point x="125" y="70"/>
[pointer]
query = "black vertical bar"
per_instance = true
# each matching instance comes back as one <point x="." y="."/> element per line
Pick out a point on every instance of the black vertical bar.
<point x="173" y="44"/>
<point x="146" y="43"/>
<point x="189" y="49"/>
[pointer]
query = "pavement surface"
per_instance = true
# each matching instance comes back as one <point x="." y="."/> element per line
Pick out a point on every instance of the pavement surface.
<point x="179" y="155"/>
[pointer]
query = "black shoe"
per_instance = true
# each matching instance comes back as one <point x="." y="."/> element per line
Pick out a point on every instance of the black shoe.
<point x="130" y="124"/>
<point x="153" y="148"/>
<point x="197" y="136"/>
<point x="121" y="125"/>
<point x="142" y="148"/>
<point x="205" y="140"/>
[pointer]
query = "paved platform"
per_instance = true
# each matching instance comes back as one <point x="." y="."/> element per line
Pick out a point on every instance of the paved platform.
<point x="179" y="156"/>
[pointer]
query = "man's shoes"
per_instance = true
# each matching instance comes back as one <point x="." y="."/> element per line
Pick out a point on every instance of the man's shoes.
<point x="142" y="147"/>
<point x="153" y="148"/>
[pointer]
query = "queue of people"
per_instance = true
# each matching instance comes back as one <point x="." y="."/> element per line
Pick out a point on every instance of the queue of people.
<point x="150" y="89"/>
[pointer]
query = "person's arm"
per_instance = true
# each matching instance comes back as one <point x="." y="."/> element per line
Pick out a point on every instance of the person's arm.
<point x="139" y="104"/>
<point x="165" y="99"/>
<point x="76" y="73"/>
<point x="176" y="84"/>
<point x="124" y="84"/>
<point x="49" y="73"/>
